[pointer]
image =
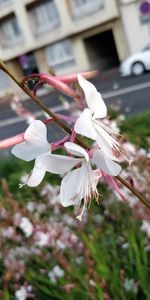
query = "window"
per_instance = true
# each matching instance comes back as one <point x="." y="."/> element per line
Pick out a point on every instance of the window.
<point x="82" y="2"/>
<point x="43" y="17"/>
<point x="5" y="82"/>
<point x="4" y="3"/>
<point x="60" y="54"/>
<point x="10" y="33"/>
<point x="85" y="7"/>
<point x="147" y="48"/>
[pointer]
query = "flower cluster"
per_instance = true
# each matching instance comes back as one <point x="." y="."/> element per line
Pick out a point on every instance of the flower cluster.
<point x="38" y="230"/>
<point x="83" y="166"/>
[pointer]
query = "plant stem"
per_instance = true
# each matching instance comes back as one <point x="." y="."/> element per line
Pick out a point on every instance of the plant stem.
<point x="67" y="129"/>
<point x="134" y="191"/>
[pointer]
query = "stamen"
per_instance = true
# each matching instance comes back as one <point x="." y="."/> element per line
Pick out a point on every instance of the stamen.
<point x="89" y="186"/>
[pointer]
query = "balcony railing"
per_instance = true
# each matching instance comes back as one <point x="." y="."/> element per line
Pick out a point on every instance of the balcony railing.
<point x="82" y="8"/>
<point x="10" y="33"/>
<point x="43" y="17"/>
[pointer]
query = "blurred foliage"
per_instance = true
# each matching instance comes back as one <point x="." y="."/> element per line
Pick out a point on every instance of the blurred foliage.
<point x="104" y="263"/>
<point x="137" y="129"/>
<point x="114" y="252"/>
<point x="114" y="261"/>
<point x="112" y="113"/>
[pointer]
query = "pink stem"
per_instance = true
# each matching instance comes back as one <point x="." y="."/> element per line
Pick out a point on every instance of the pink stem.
<point x="73" y="77"/>
<point x="9" y="142"/>
<point x="57" y="147"/>
<point x="57" y="144"/>
<point x="114" y="185"/>
<point x="62" y="117"/>
<point x="58" y="82"/>
<point x="4" y="144"/>
<point x="47" y="121"/>
<point x="73" y="136"/>
<point x="60" y="86"/>
<point x="66" y="118"/>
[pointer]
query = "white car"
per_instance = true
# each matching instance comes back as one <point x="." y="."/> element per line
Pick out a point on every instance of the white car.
<point x="136" y="64"/>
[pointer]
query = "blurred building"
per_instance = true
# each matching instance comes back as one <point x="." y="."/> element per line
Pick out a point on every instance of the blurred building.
<point x="65" y="35"/>
<point x="62" y="35"/>
<point x="135" y="16"/>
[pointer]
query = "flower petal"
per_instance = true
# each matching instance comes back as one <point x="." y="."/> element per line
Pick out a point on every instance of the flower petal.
<point x="36" y="135"/>
<point x="104" y="143"/>
<point x="93" y="98"/>
<point x="84" y="125"/>
<point x="76" y="150"/>
<point x="27" y="152"/>
<point x="36" y="176"/>
<point x="57" y="164"/>
<point x="35" y="142"/>
<point x="105" y="164"/>
<point x="104" y="140"/>
<point x="69" y="189"/>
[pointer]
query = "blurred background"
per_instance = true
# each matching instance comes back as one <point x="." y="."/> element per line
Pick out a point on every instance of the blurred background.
<point x="62" y="37"/>
<point x="44" y="252"/>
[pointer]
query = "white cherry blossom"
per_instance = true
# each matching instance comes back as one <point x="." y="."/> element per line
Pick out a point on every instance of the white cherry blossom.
<point x="89" y="125"/>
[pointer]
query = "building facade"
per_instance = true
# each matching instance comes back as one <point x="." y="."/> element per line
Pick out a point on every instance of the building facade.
<point x="64" y="36"/>
<point x="136" y="24"/>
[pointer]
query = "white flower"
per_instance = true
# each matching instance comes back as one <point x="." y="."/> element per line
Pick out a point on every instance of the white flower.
<point x="35" y="142"/>
<point x="89" y="125"/>
<point x="78" y="184"/>
<point x="37" y="147"/>
<point x="81" y="183"/>
<point x="130" y="285"/>
<point x="21" y="294"/>
<point x="30" y="206"/>
<point x="146" y="227"/>
<point x="42" y="239"/>
<point x="56" y="272"/>
<point x="26" y="226"/>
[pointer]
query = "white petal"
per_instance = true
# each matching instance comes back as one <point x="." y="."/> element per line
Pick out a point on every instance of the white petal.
<point x="57" y="164"/>
<point x="69" y="189"/>
<point x="106" y="142"/>
<point x="27" y="152"/>
<point x="36" y="135"/>
<point x="35" y="142"/>
<point x="84" y="125"/>
<point x="93" y="98"/>
<point x="106" y="128"/>
<point x="76" y="150"/>
<point x="36" y="177"/>
<point x="103" y="139"/>
<point x="105" y="164"/>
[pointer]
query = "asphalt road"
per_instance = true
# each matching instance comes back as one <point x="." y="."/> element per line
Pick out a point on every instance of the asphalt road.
<point x="129" y="95"/>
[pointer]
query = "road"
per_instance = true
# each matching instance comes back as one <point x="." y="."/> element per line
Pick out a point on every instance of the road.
<point x="128" y="95"/>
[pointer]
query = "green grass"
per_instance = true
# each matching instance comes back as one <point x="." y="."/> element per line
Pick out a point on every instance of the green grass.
<point x="137" y="129"/>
